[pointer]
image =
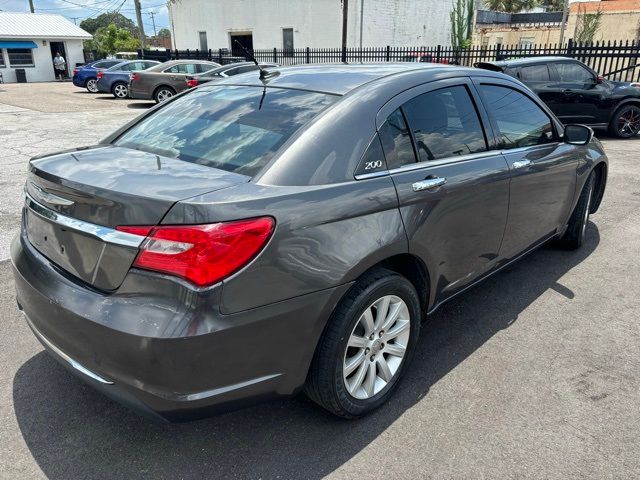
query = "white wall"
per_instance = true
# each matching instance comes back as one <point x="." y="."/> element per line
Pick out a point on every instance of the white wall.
<point x="42" y="71"/>
<point x="316" y="23"/>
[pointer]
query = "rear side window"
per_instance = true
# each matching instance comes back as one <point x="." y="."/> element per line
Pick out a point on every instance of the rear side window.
<point x="535" y="73"/>
<point x="574" y="73"/>
<point x="519" y="120"/>
<point x="203" y="67"/>
<point x="237" y="129"/>
<point x="182" y="68"/>
<point x="396" y="141"/>
<point x="445" y="124"/>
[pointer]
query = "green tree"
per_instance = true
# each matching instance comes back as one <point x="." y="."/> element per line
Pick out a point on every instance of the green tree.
<point x="92" y="25"/>
<point x="461" y="17"/>
<point x="553" y="5"/>
<point x="164" y="32"/>
<point x="587" y="25"/>
<point x="111" y="39"/>
<point x="510" y="6"/>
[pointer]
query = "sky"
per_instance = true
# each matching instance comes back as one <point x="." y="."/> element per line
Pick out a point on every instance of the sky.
<point x="81" y="9"/>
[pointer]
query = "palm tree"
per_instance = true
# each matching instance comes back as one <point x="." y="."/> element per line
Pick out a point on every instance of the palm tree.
<point x="511" y="6"/>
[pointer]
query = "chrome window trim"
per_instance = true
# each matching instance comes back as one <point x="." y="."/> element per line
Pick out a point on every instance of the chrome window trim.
<point x="430" y="163"/>
<point x="106" y="234"/>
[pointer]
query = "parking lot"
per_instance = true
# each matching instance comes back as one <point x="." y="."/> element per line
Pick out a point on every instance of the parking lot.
<point x="533" y="374"/>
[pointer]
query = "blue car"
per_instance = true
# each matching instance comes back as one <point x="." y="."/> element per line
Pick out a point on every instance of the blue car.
<point x="86" y="75"/>
<point x="115" y="80"/>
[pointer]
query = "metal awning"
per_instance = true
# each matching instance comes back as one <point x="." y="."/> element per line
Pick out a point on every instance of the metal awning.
<point x="17" y="44"/>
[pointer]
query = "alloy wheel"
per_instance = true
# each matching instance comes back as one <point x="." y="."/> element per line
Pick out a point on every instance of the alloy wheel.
<point x="376" y="347"/>
<point x="164" y="94"/>
<point x="120" y="91"/>
<point x="92" y="85"/>
<point x="628" y="122"/>
<point x="585" y="219"/>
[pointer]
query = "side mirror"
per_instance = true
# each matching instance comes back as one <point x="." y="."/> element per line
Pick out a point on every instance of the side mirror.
<point x="599" y="79"/>
<point x="577" y="134"/>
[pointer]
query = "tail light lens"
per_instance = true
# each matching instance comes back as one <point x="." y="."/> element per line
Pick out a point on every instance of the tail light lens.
<point x="75" y="71"/>
<point x="134" y="77"/>
<point x="201" y="254"/>
<point x="100" y="75"/>
<point x="192" y="82"/>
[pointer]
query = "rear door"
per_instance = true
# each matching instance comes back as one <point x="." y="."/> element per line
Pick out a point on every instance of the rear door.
<point x="543" y="168"/>
<point x="453" y="188"/>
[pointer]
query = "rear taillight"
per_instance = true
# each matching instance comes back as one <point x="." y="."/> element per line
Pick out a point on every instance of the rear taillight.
<point x="134" y="77"/>
<point x="192" y="82"/>
<point x="100" y="75"/>
<point x="201" y="254"/>
<point x="75" y="72"/>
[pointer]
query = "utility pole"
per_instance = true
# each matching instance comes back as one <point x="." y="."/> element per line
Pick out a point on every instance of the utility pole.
<point x="33" y="10"/>
<point x="565" y="13"/>
<point x="153" y="20"/>
<point x="345" y="14"/>
<point x="136" y="3"/>
<point x="361" y="21"/>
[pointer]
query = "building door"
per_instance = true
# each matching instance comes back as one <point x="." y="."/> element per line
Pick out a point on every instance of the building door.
<point x="245" y="39"/>
<point x="58" y="47"/>
<point x="203" y="41"/>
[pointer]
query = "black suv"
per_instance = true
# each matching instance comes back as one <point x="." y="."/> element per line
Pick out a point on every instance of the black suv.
<point x="577" y="94"/>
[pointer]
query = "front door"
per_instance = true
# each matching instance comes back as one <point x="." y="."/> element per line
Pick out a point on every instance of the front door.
<point x="577" y="95"/>
<point x="452" y="190"/>
<point x="58" y="47"/>
<point x="543" y="168"/>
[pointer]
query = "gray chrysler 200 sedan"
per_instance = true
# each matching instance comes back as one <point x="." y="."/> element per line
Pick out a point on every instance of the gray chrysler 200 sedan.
<point x="290" y="231"/>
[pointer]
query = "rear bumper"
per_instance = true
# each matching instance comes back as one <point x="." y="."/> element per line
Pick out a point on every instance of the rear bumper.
<point x="103" y="86"/>
<point x="139" y="94"/>
<point x="198" y="364"/>
<point x="78" y="82"/>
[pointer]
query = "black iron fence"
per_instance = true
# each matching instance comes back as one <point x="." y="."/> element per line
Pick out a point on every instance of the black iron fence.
<point x="618" y="60"/>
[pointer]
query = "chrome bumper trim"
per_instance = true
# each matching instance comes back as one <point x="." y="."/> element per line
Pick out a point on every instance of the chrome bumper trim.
<point x="77" y="366"/>
<point x="106" y="234"/>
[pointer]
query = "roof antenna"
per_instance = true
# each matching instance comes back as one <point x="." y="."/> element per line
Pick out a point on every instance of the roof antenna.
<point x="264" y="74"/>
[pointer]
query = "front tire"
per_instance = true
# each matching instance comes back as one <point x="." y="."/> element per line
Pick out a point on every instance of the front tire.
<point x="120" y="90"/>
<point x="574" y="236"/>
<point x="163" y="93"/>
<point x="625" y="122"/>
<point x="367" y="345"/>
<point x="92" y="85"/>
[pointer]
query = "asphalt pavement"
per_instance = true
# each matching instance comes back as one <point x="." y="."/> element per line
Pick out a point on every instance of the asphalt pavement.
<point x="533" y="374"/>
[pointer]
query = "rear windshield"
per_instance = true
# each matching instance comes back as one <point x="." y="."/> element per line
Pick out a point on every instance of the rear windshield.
<point x="233" y="128"/>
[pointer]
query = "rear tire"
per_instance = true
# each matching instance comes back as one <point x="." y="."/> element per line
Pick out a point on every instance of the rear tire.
<point x="625" y="122"/>
<point x="120" y="90"/>
<point x="573" y="238"/>
<point x="367" y="345"/>
<point x="163" y="93"/>
<point x="92" y="85"/>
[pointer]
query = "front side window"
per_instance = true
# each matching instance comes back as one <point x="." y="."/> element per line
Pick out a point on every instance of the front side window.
<point x="237" y="129"/>
<point x="396" y="141"/>
<point x="445" y="124"/>
<point x="519" y="120"/>
<point x="20" y="57"/>
<point x="574" y="73"/>
<point x="535" y="73"/>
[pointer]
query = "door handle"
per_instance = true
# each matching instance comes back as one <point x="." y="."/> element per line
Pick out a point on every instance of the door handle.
<point x="429" y="184"/>
<point x="568" y="91"/>
<point x="521" y="164"/>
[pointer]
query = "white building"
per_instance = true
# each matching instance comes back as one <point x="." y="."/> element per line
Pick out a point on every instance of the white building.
<point x="29" y="41"/>
<point x="204" y="24"/>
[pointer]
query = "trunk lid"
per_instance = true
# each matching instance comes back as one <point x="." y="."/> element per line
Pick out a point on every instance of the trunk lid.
<point x="76" y="199"/>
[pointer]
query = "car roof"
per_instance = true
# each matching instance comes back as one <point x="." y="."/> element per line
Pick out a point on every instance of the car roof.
<point x="516" y="62"/>
<point x="341" y="78"/>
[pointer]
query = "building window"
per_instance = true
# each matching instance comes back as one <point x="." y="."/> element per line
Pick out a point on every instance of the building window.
<point x="2" y="65"/>
<point x="526" y="42"/>
<point x="203" y="41"/>
<point x="287" y="41"/>
<point x="20" y="57"/>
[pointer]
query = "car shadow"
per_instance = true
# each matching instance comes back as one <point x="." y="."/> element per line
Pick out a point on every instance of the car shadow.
<point x="141" y="105"/>
<point x="74" y="432"/>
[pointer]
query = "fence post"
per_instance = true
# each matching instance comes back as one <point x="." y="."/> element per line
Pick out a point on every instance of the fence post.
<point x="498" y="49"/>
<point x="438" y="50"/>
<point x="177" y="54"/>
<point x="570" y="46"/>
<point x="307" y="56"/>
<point x="220" y="56"/>
<point x="388" y="53"/>
<point x="275" y="55"/>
